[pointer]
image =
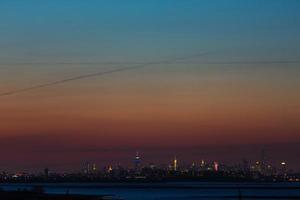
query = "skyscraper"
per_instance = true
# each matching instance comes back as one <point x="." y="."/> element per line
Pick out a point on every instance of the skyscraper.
<point x="216" y="166"/>
<point x="94" y="167"/>
<point x="137" y="161"/>
<point x="175" y="166"/>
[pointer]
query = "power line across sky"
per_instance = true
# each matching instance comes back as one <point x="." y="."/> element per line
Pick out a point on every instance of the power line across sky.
<point x="102" y="73"/>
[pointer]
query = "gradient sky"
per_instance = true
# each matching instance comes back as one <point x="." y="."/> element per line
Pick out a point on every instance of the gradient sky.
<point x="238" y="98"/>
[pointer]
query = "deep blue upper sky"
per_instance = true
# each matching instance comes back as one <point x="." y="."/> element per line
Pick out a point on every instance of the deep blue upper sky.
<point x="80" y="30"/>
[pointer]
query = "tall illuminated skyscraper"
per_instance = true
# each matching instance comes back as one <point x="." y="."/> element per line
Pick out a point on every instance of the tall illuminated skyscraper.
<point x="109" y="170"/>
<point x="137" y="161"/>
<point x="283" y="170"/>
<point x="216" y="166"/>
<point x="94" y="167"/>
<point x="175" y="165"/>
<point x="202" y="165"/>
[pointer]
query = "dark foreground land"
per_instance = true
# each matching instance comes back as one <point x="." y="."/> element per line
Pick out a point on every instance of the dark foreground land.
<point x="28" y="195"/>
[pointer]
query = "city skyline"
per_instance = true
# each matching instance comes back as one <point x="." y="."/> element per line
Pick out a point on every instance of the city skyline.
<point x="149" y="157"/>
<point x="261" y="170"/>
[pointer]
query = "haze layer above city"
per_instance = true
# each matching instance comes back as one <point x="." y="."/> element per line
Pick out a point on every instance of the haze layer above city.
<point x="99" y="80"/>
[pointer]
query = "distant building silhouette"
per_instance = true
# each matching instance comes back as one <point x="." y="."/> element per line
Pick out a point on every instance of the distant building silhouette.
<point x="137" y="161"/>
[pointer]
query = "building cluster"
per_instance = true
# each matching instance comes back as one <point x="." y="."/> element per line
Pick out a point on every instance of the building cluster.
<point x="201" y="171"/>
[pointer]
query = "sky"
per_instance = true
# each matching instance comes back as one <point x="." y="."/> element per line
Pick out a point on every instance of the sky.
<point x="204" y="79"/>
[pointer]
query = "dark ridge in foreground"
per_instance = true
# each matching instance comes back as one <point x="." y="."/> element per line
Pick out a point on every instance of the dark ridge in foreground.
<point x="29" y="195"/>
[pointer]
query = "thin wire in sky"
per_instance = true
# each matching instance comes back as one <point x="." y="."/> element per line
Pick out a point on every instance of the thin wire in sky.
<point x="85" y="76"/>
<point x="142" y="63"/>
